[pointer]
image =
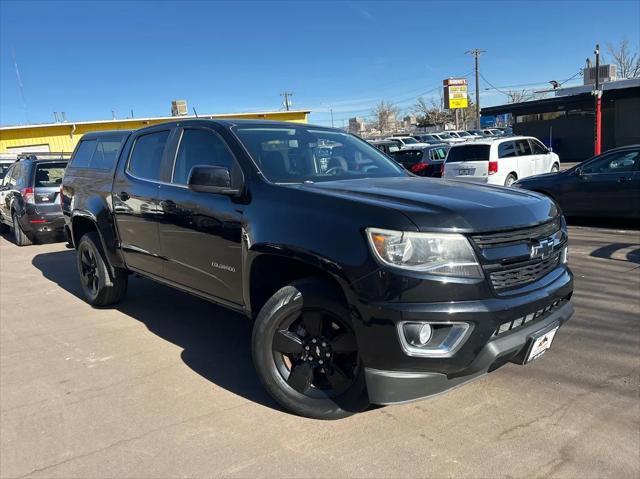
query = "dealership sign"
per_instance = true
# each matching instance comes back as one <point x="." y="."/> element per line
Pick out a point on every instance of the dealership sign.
<point x="455" y="93"/>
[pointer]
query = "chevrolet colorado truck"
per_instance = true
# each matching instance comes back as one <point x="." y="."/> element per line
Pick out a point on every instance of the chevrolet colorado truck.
<point x="366" y="283"/>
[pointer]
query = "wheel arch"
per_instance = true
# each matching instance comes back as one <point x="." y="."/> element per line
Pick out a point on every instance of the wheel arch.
<point x="82" y="222"/>
<point x="268" y="272"/>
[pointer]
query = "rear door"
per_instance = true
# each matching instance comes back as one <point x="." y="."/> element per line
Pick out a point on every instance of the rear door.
<point x="468" y="162"/>
<point x="7" y="181"/>
<point x="136" y="200"/>
<point x="526" y="160"/>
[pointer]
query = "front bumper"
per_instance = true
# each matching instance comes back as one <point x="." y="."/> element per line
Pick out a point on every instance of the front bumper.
<point x="393" y="376"/>
<point x="391" y="387"/>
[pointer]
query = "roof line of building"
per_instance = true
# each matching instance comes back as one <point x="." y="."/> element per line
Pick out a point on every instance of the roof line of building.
<point x="182" y="117"/>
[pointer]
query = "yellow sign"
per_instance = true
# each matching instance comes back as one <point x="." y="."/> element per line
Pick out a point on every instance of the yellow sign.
<point x="455" y="93"/>
<point x="458" y="103"/>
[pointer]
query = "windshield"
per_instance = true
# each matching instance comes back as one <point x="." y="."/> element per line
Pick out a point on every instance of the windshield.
<point x="444" y="135"/>
<point x="409" y="141"/>
<point x="464" y="133"/>
<point x="292" y="154"/>
<point x="3" y="169"/>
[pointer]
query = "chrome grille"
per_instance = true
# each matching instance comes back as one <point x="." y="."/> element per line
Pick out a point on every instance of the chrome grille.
<point x="509" y="278"/>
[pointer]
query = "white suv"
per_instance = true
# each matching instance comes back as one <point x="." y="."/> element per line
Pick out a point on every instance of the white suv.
<point x="499" y="161"/>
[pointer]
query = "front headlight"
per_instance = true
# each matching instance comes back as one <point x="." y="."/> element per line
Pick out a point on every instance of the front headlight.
<point x="441" y="254"/>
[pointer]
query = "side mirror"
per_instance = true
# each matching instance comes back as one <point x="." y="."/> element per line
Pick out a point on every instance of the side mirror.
<point x="579" y="172"/>
<point x="212" y="179"/>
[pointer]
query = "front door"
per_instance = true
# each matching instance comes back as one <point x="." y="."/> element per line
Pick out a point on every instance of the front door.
<point x="201" y="232"/>
<point x="136" y="204"/>
<point x="526" y="159"/>
<point x="604" y="187"/>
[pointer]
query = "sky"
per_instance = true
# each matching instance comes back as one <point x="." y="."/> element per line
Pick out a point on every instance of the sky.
<point x="89" y="58"/>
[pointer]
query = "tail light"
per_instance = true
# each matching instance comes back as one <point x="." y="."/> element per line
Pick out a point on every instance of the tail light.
<point x="418" y="167"/>
<point x="28" y="196"/>
<point x="493" y="167"/>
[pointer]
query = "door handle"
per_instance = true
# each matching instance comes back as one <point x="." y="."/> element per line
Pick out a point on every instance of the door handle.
<point x="124" y="196"/>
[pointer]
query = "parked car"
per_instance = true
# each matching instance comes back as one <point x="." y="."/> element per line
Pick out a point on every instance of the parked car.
<point x="427" y="138"/>
<point x="478" y="133"/>
<point x="464" y="135"/>
<point x="445" y="137"/>
<point x="500" y="161"/>
<point x="607" y="185"/>
<point x="29" y="199"/>
<point x="366" y="283"/>
<point x="5" y="163"/>
<point x="426" y="161"/>
<point x="386" y="146"/>
<point x="407" y="142"/>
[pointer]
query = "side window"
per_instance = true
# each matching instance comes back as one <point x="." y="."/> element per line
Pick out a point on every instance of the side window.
<point x="506" y="150"/>
<point x="104" y="158"/>
<point x="8" y="178"/>
<point x="83" y="154"/>
<point x="523" y="148"/>
<point x="146" y="159"/>
<point x="199" y="147"/>
<point x="538" y="148"/>
<point x="18" y="175"/>
<point x="614" y="163"/>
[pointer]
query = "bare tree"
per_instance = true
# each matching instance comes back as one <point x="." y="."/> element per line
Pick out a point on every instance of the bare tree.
<point x="431" y="113"/>
<point x="516" y="96"/>
<point x="627" y="62"/>
<point x="385" y="114"/>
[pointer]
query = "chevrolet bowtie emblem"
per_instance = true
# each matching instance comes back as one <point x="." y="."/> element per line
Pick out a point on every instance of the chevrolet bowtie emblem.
<point x="541" y="249"/>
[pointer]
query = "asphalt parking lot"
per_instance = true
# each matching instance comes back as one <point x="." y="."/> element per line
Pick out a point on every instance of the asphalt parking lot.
<point x="163" y="386"/>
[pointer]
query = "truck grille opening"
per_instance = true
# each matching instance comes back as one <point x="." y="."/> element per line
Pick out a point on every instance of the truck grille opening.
<point x="510" y="278"/>
<point x="516" y="258"/>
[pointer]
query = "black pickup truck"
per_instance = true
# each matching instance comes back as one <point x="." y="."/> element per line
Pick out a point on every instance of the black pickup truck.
<point x="366" y="284"/>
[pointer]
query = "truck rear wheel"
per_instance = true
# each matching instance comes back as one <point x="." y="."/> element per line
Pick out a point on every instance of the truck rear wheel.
<point x="99" y="287"/>
<point x="305" y="352"/>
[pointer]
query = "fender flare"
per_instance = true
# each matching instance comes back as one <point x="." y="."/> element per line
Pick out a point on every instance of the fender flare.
<point x="108" y="239"/>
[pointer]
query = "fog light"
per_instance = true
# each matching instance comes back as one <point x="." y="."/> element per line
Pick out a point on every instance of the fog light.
<point x="432" y="339"/>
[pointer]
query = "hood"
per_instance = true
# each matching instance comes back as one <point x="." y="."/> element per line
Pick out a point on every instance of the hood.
<point x="437" y="204"/>
<point x="543" y="177"/>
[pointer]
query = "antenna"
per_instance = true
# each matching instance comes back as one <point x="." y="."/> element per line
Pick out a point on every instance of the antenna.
<point x="195" y="112"/>
<point x="55" y="115"/>
<point x="64" y="116"/>
<point x="286" y="96"/>
<point x="113" y="114"/>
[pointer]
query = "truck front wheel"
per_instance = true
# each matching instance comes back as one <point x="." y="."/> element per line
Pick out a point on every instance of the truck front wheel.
<point x="305" y="351"/>
<point x="99" y="287"/>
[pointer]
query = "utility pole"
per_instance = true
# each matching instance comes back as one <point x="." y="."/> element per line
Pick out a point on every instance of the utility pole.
<point x="286" y="96"/>
<point x="476" y="54"/>
<point x="597" y="141"/>
<point x="331" y="110"/>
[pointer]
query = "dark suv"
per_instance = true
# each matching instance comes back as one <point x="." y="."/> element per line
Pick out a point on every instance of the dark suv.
<point x="367" y="284"/>
<point x="29" y="198"/>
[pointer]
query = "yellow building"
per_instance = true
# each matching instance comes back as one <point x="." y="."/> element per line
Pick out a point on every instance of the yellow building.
<point x="63" y="137"/>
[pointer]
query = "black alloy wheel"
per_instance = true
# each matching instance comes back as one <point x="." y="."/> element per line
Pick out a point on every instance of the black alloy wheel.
<point x="305" y="351"/>
<point x="89" y="270"/>
<point x="316" y="354"/>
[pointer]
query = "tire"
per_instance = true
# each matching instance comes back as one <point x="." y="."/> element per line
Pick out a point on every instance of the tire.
<point x="20" y="236"/>
<point x="555" y="168"/>
<point x="305" y="352"/>
<point x="510" y="180"/>
<point x="99" y="287"/>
